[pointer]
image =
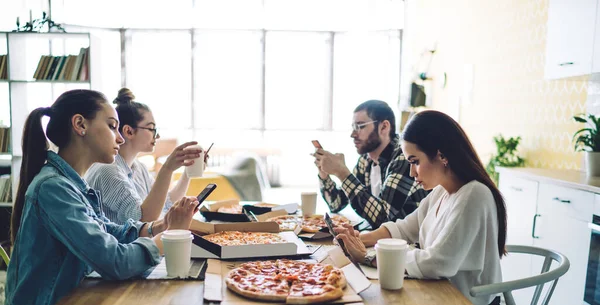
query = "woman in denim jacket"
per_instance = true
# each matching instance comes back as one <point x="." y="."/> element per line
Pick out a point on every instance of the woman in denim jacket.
<point x="58" y="229"/>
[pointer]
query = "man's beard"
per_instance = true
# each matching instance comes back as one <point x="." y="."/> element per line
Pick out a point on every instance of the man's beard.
<point x="372" y="143"/>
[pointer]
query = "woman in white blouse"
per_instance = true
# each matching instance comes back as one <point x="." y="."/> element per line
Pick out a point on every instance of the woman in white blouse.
<point x="460" y="226"/>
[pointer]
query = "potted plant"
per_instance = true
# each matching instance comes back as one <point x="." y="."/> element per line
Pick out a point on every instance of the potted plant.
<point x="506" y="155"/>
<point x="588" y="140"/>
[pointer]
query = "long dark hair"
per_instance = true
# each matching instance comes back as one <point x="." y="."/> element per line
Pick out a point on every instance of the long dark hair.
<point x="434" y="131"/>
<point x="84" y="102"/>
<point x="130" y="112"/>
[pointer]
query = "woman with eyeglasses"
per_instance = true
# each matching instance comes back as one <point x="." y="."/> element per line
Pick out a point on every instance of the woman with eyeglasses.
<point x="126" y="187"/>
<point x="57" y="229"/>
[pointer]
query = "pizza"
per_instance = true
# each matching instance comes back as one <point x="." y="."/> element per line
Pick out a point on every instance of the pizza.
<point x="310" y="224"/>
<point x="293" y="282"/>
<point x="230" y="209"/>
<point x="236" y="238"/>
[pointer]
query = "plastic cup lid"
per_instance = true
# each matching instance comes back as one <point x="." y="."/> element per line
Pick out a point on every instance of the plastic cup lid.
<point x="392" y="244"/>
<point x="176" y="234"/>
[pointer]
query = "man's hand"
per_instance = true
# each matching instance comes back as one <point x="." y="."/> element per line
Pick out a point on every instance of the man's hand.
<point x="333" y="164"/>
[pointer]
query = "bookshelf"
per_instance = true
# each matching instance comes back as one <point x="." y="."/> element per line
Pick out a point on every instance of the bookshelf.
<point x="27" y="87"/>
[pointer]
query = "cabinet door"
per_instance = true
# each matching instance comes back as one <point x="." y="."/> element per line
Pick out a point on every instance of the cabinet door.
<point x="570" y="38"/>
<point x="563" y="227"/>
<point x="520" y="196"/>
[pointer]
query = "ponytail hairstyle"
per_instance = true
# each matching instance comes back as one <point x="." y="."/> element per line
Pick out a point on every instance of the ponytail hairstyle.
<point x="84" y="102"/>
<point x="434" y="131"/>
<point x="130" y="112"/>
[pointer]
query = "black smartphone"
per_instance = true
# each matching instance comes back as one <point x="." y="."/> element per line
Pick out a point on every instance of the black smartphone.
<point x="205" y="192"/>
<point x="339" y="241"/>
<point x="316" y="144"/>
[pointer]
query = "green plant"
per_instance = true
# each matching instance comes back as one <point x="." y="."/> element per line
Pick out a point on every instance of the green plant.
<point x="506" y="155"/>
<point x="588" y="138"/>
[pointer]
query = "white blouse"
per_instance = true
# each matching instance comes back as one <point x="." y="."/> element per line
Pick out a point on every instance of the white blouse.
<point x="459" y="243"/>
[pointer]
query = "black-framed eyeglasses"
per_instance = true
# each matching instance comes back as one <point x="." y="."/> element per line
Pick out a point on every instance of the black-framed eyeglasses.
<point x="154" y="131"/>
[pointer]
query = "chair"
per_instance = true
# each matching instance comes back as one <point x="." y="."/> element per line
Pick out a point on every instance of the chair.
<point x="4" y="255"/>
<point x="545" y="276"/>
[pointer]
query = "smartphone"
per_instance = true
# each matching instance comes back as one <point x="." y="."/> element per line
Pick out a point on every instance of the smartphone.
<point x="211" y="145"/>
<point x="316" y="144"/>
<point x="205" y="192"/>
<point x="340" y="242"/>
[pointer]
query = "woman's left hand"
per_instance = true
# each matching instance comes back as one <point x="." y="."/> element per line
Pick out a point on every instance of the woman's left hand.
<point x="352" y="242"/>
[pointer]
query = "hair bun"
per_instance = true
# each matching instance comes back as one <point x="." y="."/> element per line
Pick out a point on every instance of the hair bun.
<point x="125" y="97"/>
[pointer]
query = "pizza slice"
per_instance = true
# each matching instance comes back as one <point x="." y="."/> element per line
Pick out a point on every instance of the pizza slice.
<point x="302" y="292"/>
<point x="259" y="287"/>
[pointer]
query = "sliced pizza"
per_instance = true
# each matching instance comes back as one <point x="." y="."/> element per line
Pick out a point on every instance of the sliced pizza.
<point x="237" y="238"/>
<point x="293" y="282"/>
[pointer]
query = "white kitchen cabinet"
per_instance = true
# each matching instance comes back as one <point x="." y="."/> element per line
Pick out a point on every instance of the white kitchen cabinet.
<point x="570" y="37"/>
<point x="520" y="196"/>
<point x="563" y="226"/>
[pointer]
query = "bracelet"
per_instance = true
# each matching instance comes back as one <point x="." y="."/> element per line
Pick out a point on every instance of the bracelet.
<point x="150" y="229"/>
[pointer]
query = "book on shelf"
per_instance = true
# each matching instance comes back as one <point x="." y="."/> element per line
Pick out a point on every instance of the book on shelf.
<point x="4" y="139"/>
<point x="5" y="188"/>
<point x="64" y="68"/>
<point x="3" y="66"/>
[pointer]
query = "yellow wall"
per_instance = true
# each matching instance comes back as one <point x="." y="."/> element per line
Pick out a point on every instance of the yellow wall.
<point x="505" y="42"/>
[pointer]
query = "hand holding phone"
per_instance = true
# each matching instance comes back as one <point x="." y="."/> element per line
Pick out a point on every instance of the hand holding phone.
<point x="205" y="192"/>
<point x="340" y="242"/>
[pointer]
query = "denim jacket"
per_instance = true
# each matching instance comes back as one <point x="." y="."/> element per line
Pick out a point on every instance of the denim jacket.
<point x="64" y="235"/>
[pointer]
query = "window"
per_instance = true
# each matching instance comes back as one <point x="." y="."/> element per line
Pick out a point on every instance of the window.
<point x="159" y="74"/>
<point x="366" y="66"/>
<point x="228" y="79"/>
<point x="296" y="80"/>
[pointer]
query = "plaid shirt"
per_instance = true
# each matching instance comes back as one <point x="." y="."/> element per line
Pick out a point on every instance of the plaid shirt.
<point x="400" y="195"/>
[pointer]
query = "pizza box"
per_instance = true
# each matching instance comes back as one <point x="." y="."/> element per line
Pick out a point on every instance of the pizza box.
<point x="290" y="208"/>
<point x="209" y="211"/>
<point x="202" y="248"/>
<point x="215" y="289"/>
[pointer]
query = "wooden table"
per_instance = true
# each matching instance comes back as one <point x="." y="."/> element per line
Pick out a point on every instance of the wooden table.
<point x="100" y="292"/>
<point x="95" y="291"/>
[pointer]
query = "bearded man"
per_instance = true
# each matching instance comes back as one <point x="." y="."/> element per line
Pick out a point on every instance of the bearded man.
<point x="380" y="188"/>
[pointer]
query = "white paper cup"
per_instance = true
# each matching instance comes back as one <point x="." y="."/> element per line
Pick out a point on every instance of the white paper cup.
<point x="196" y="169"/>
<point x="309" y="203"/>
<point x="177" y="245"/>
<point x="391" y="262"/>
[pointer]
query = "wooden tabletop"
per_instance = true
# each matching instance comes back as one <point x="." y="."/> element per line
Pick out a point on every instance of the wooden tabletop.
<point x="175" y="292"/>
<point x="95" y="291"/>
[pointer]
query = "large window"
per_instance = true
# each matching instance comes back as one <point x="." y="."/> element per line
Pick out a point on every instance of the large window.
<point x="228" y="79"/>
<point x="253" y="73"/>
<point x="297" y="80"/>
<point x="160" y="75"/>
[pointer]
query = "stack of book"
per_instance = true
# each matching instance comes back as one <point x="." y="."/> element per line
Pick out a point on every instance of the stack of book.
<point x="4" y="139"/>
<point x="5" y="188"/>
<point x="64" y="68"/>
<point x="3" y="66"/>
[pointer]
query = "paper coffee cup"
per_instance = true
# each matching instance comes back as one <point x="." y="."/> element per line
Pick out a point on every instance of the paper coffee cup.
<point x="177" y="245"/>
<point x="197" y="169"/>
<point x="309" y="203"/>
<point x="391" y="262"/>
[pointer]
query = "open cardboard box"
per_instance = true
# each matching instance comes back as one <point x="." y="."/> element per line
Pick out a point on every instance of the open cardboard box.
<point x="202" y="248"/>
<point x="210" y="211"/>
<point x="215" y="289"/>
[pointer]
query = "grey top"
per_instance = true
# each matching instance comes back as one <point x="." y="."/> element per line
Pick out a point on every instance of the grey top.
<point x="122" y="189"/>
